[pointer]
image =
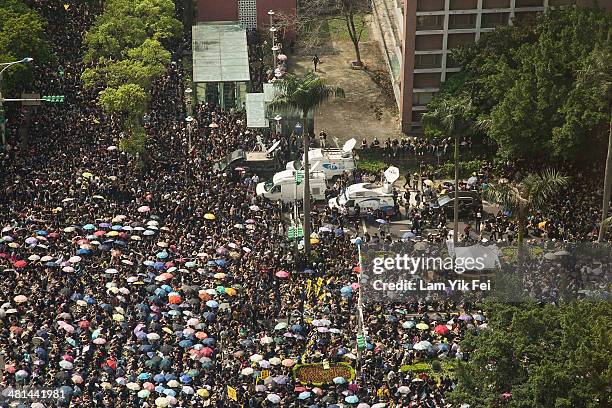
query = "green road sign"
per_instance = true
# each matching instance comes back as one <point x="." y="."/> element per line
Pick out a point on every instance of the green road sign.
<point x="361" y="342"/>
<point x="295" y="233"/>
<point x="53" y="98"/>
<point x="298" y="177"/>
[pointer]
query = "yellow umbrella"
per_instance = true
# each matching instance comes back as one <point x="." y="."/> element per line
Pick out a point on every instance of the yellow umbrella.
<point x="422" y="326"/>
<point x="209" y="216"/>
<point x="167" y="330"/>
<point x="112" y="234"/>
<point x="230" y="291"/>
<point x="314" y="240"/>
<point x="542" y="225"/>
<point x="87" y="174"/>
<point x="203" y="392"/>
<point x="118" y="317"/>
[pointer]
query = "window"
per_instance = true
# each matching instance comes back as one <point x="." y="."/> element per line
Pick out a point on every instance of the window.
<point x="425" y="61"/>
<point x="430" y="5"/>
<point x="428" y="42"/>
<point x="427" y="80"/>
<point x="492" y="4"/>
<point x="421" y="98"/>
<point x="430" y="22"/>
<point x="492" y="20"/>
<point x="456" y="21"/>
<point x="529" y="3"/>
<point x="463" y="4"/>
<point x="457" y="40"/>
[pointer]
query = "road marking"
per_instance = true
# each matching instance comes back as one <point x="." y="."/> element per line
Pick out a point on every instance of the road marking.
<point x="363" y="226"/>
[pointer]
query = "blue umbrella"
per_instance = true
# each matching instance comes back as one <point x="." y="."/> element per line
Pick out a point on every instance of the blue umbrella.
<point x="443" y="347"/>
<point x="162" y="255"/>
<point x="221" y="262"/>
<point x="148" y="263"/>
<point x="185" y="343"/>
<point x="83" y="252"/>
<point x="160" y="389"/>
<point x="304" y="395"/>
<point x="170" y="377"/>
<point x="185" y="379"/>
<point x="89" y="227"/>
<point x="144" y="376"/>
<point x="104" y="225"/>
<point x="346" y="291"/>
<point x="104" y="248"/>
<point x="351" y="399"/>
<point x="166" y="288"/>
<point x="208" y="315"/>
<point x="212" y="304"/>
<point x="170" y="392"/>
<point x="209" y="341"/>
<point x="51" y="265"/>
<point x="41" y="233"/>
<point x="408" y="235"/>
<point x="296" y="328"/>
<point x="160" y="292"/>
<point x="339" y="380"/>
<point x="159" y="266"/>
<point x="117" y="227"/>
<point x="159" y="378"/>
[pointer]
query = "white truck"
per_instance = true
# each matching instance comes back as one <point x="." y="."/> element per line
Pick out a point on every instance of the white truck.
<point x="333" y="162"/>
<point x="368" y="195"/>
<point x="282" y="186"/>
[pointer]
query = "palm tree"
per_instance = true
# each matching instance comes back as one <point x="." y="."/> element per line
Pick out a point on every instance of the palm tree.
<point x="304" y="94"/>
<point x="532" y="192"/>
<point x="451" y="117"/>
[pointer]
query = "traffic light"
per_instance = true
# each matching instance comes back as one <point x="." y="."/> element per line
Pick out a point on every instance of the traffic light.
<point x="53" y="98"/>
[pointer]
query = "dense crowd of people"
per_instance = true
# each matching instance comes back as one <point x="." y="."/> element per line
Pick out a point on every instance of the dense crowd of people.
<point x="161" y="282"/>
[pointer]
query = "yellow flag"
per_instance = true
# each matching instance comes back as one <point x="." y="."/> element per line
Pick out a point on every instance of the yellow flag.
<point x="308" y="288"/>
<point x="231" y="393"/>
<point x="264" y="374"/>
<point x="66" y="6"/>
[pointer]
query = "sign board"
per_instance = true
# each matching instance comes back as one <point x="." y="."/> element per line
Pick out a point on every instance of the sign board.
<point x="264" y="374"/>
<point x="231" y="393"/>
<point x="30" y="96"/>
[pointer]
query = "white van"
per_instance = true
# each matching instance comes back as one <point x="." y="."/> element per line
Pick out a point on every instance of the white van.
<point x="333" y="162"/>
<point x="283" y="187"/>
<point x="368" y="195"/>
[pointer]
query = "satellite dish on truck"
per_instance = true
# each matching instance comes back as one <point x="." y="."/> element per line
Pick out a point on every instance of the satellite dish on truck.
<point x="273" y="147"/>
<point x="348" y="147"/>
<point x="392" y="174"/>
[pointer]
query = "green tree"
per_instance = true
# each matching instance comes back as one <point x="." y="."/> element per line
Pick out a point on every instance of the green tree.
<point x="22" y="34"/>
<point x="129" y="101"/>
<point x="545" y="356"/>
<point x="451" y="117"/>
<point x="531" y="193"/>
<point x="304" y="94"/>
<point x="145" y="64"/>
<point x="523" y="81"/>
<point x="594" y="86"/>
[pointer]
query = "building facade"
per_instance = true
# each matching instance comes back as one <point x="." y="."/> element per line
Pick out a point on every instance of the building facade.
<point x="417" y="37"/>
<point x="249" y="13"/>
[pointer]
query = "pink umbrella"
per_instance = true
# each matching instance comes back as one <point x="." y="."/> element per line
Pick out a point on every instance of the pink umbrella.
<point x="148" y="386"/>
<point x="99" y="341"/>
<point x="68" y="328"/>
<point x="144" y="209"/>
<point x="282" y="274"/>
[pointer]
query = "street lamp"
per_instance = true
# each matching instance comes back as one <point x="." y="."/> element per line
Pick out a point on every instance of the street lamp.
<point x="274" y="46"/>
<point x="360" y="330"/>
<point x="189" y="119"/>
<point x="6" y="66"/>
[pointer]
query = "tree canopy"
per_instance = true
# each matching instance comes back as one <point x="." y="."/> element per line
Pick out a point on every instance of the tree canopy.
<point x="545" y="356"/>
<point x="22" y="34"/>
<point x="523" y="82"/>
<point x="126" y="48"/>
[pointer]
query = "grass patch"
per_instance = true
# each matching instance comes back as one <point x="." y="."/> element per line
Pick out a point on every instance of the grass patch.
<point x="337" y="30"/>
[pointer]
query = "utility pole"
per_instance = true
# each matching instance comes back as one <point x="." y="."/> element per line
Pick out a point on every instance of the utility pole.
<point x="2" y="117"/>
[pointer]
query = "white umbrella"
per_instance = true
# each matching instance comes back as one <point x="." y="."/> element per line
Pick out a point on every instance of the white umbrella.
<point x="273" y="398"/>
